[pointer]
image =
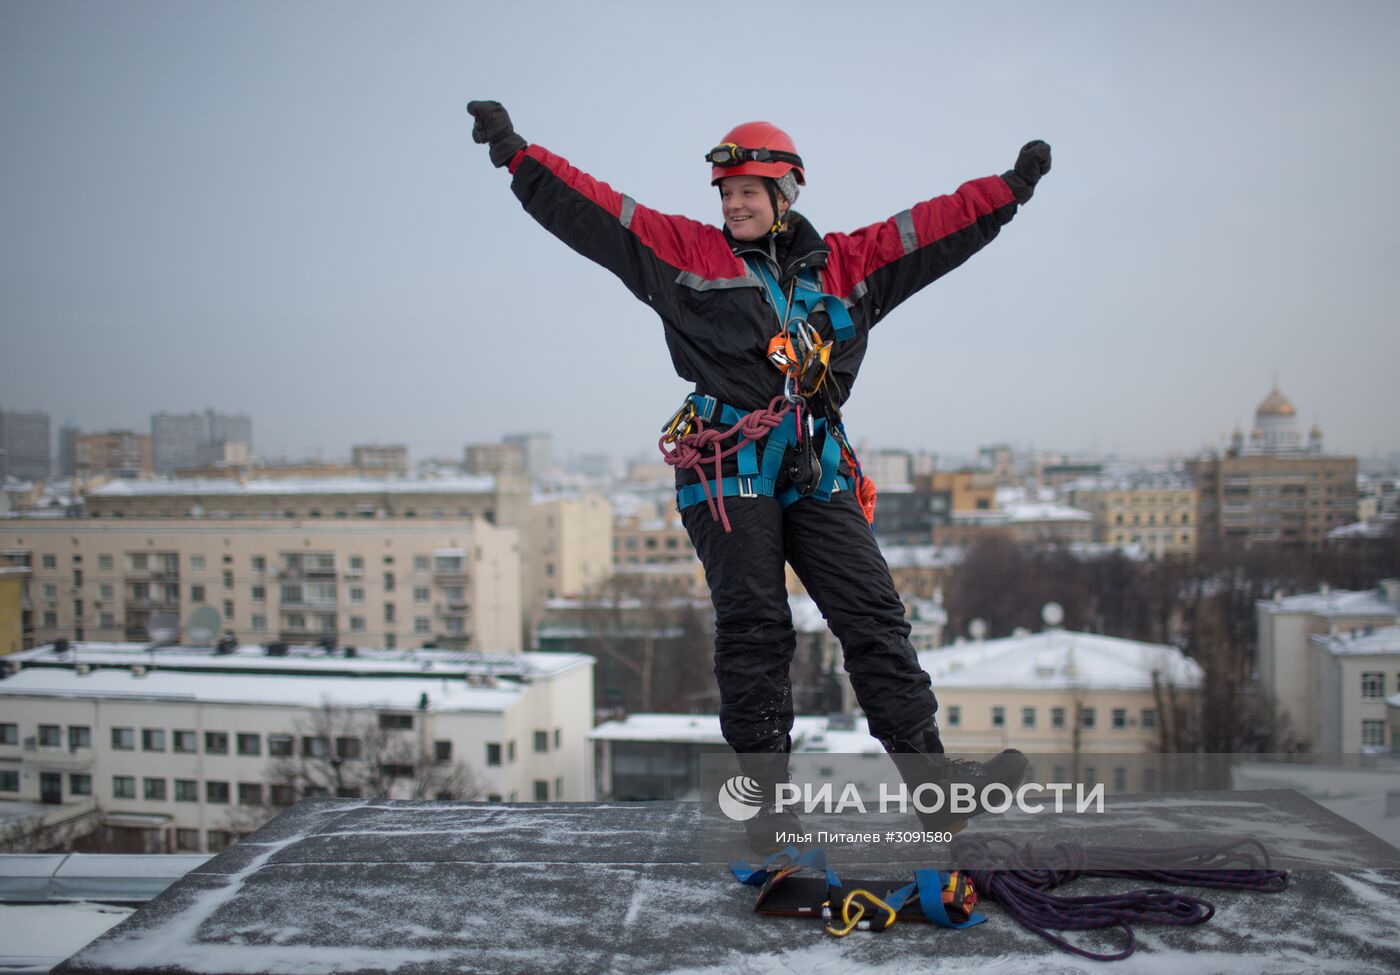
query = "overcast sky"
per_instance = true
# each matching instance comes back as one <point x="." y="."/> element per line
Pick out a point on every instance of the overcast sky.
<point x="277" y="209"/>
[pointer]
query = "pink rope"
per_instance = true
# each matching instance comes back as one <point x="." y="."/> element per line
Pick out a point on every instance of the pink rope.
<point x="689" y="452"/>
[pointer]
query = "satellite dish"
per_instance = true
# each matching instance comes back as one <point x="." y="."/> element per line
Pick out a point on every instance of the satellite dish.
<point x="162" y="627"/>
<point x="978" y="629"/>
<point x="202" y="626"/>
<point x="1053" y="614"/>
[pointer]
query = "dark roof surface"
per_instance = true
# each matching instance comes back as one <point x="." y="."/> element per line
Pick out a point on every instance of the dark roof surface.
<point x="350" y="886"/>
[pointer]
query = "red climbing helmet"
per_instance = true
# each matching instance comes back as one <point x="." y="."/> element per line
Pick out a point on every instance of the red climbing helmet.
<point x="755" y="149"/>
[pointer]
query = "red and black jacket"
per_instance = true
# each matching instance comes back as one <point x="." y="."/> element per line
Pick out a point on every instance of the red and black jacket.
<point x="716" y="312"/>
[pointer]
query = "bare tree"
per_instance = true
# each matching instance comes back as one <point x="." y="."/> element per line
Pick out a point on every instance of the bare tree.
<point x="351" y="753"/>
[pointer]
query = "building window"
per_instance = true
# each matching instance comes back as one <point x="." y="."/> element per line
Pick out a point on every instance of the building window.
<point x="541" y="790"/>
<point x="388" y="582"/>
<point x="50" y="736"/>
<point x="105" y="591"/>
<point x="216" y="743"/>
<point x="1373" y="733"/>
<point x="197" y="594"/>
<point x="279" y="746"/>
<point x="49" y="562"/>
<point x="1149" y="719"/>
<point x="557" y="738"/>
<point x="196" y="563"/>
<point x="357" y="624"/>
<point x="442" y="752"/>
<point x="396" y="771"/>
<point x="1120" y="779"/>
<point x="216" y="792"/>
<point x="154" y="789"/>
<point x="79" y="785"/>
<point x="396" y="722"/>
<point x="9" y="734"/>
<point x="186" y="790"/>
<point x="228" y="609"/>
<point x="493" y="754"/>
<point x="357" y="594"/>
<point x="998" y="717"/>
<point x="259" y="563"/>
<point x="422" y="625"/>
<point x="219" y="840"/>
<point x="1028" y="717"/>
<point x="50" y="621"/>
<point x="510" y="751"/>
<point x="250" y="794"/>
<point x="542" y="742"/>
<point x="152" y="740"/>
<point x="953" y="715"/>
<point x="249" y="744"/>
<point x="357" y="563"/>
<point x="123" y="739"/>
<point x="559" y="788"/>
<point x="259" y="594"/>
<point x="420" y="563"/>
<point x="1087" y="718"/>
<point x="184" y="741"/>
<point x="1120" y="719"/>
<point x="123" y="787"/>
<point x="79" y="736"/>
<point x="258" y="623"/>
<point x="282" y="795"/>
<point x="1372" y="685"/>
<point x="9" y="780"/>
<point x="1057" y="717"/>
<point x="228" y="579"/>
<point x="347" y="749"/>
<point x="104" y="562"/>
<point x="315" y="746"/>
<point x="388" y="612"/>
<point x="187" y="840"/>
<point x="422" y="594"/>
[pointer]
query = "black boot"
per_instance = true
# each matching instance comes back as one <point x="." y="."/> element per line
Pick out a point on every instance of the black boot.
<point x="920" y="759"/>
<point x="769" y="769"/>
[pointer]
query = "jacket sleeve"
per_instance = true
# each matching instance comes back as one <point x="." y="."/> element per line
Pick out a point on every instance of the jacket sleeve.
<point x="647" y="250"/>
<point x="885" y="263"/>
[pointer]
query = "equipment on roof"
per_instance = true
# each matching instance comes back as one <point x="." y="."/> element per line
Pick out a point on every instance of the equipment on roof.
<point x="1021" y="881"/>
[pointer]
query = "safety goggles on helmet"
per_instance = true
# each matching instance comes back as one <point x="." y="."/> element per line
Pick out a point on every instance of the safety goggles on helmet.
<point x="728" y="154"/>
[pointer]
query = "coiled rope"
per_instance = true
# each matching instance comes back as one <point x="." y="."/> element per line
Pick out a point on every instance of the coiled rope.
<point x="688" y="452"/>
<point x="1022" y="881"/>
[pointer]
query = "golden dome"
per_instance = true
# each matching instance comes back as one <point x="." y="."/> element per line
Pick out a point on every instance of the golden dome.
<point x="1275" y="404"/>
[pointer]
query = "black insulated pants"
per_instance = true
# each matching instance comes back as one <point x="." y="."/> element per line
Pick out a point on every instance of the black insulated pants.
<point x="832" y="550"/>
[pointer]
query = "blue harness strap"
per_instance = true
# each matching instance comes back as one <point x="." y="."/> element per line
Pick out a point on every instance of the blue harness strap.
<point x="806" y="296"/>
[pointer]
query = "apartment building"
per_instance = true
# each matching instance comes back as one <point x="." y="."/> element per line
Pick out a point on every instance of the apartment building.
<point x="382" y="582"/>
<point x="1355" y="673"/>
<point x="1057" y="691"/>
<point x="1288" y="670"/>
<point x="14" y="594"/>
<point x="572" y="549"/>
<point x="116" y="453"/>
<point x="1158" y="512"/>
<point x="184" y="750"/>
<point x="26" y="451"/>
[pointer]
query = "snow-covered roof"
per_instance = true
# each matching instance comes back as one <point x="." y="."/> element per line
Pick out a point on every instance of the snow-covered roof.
<point x="1385" y="641"/>
<point x="271" y="690"/>
<point x="921" y="556"/>
<point x="1334" y="602"/>
<point x="367" y="662"/>
<point x="1060" y="659"/>
<point x="1133" y="481"/>
<point x="1021" y="511"/>
<point x="809" y="733"/>
<point x="460" y="484"/>
<point x="1363" y="529"/>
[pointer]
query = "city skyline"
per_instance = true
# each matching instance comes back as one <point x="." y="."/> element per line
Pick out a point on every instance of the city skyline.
<point x="216" y="214"/>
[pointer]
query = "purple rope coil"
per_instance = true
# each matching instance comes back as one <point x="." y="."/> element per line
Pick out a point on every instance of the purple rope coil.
<point x="1021" y="883"/>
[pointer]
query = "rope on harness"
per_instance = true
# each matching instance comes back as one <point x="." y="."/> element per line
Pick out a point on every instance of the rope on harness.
<point x="689" y="450"/>
<point x="1022" y="882"/>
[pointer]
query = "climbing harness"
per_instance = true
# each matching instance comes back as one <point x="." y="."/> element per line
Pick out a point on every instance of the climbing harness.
<point x="1020" y="880"/>
<point x="944" y="898"/>
<point x="798" y="350"/>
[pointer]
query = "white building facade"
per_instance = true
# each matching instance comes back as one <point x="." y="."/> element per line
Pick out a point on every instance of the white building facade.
<point x="180" y="745"/>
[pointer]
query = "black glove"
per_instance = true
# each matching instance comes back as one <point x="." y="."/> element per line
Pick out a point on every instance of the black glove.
<point x="493" y="126"/>
<point x="1031" y="164"/>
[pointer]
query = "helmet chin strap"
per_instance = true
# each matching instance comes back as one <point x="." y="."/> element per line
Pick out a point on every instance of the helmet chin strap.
<point x="772" y="186"/>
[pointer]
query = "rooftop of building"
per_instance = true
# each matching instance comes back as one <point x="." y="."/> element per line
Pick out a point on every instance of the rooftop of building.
<point x="1057" y="658"/>
<point x="440" y="694"/>
<point x="1328" y="602"/>
<point x="460" y="484"/>
<point x="1382" y="642"/>
<point x="291" y="659"/>
<point x="350" y="886"/>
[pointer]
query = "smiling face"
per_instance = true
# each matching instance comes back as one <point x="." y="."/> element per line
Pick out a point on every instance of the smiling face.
<point x="747" y="210"/>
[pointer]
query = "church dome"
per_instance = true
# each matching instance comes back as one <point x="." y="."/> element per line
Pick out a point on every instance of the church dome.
<point x="1275" y="404"/>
